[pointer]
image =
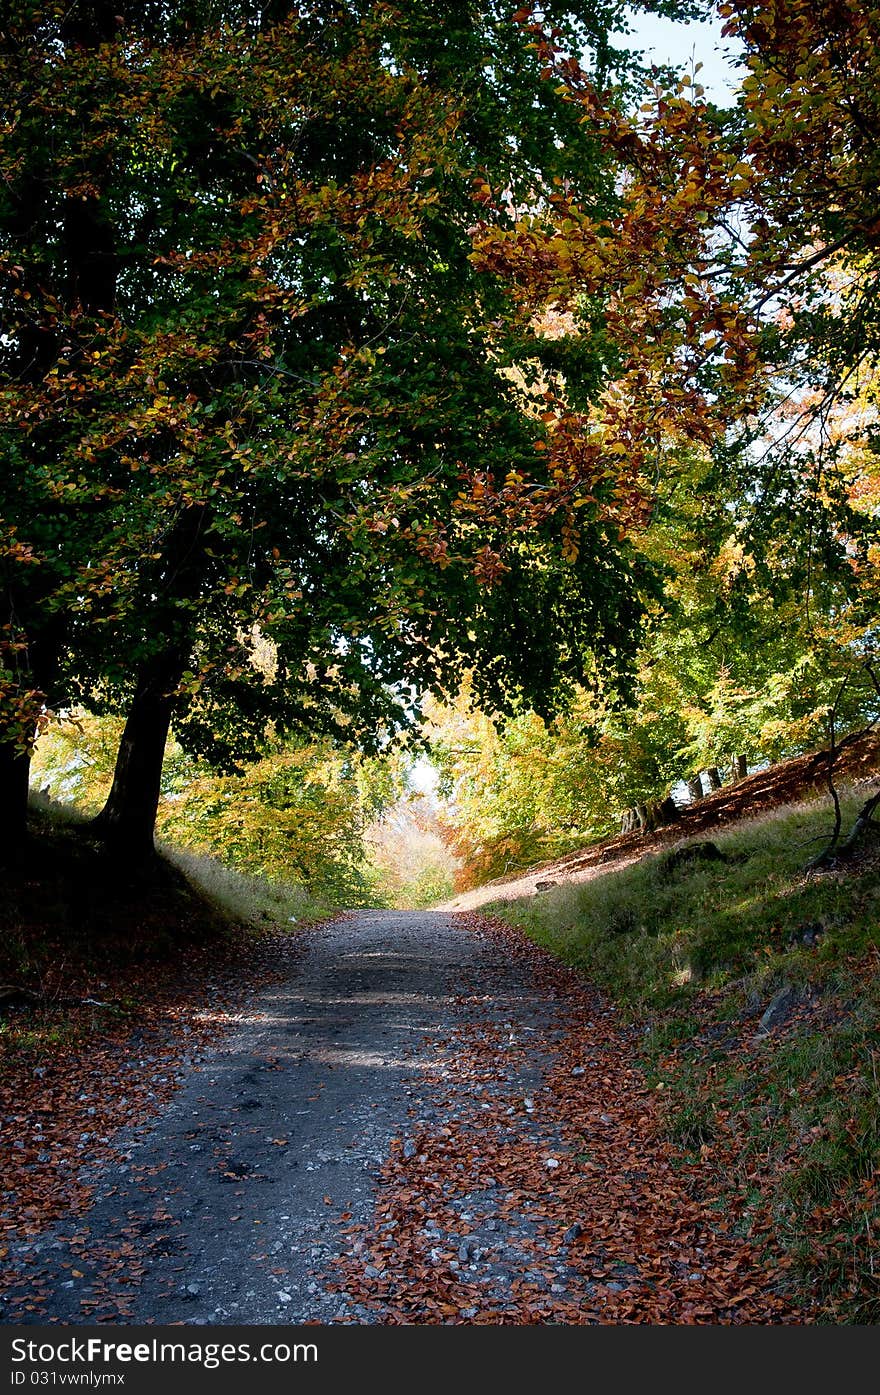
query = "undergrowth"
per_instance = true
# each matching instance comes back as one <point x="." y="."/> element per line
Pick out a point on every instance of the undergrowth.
<point x="257" y="900"/>
<point x="785" y="1116"/>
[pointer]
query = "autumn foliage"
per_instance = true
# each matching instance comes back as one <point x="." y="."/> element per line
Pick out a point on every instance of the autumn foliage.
<point x="252" y="377"/>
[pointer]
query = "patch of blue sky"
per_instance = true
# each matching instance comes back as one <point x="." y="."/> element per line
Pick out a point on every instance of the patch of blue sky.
<point x="681" y="45"/>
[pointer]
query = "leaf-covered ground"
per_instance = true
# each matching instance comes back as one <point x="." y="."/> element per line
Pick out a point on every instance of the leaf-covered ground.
<point x="753" y="984"/>
<point x="517" y="1169"/>
<point x="536" y="1182"/>
<point x="111" y="987"/>
<point x="73" y="1079"/>
<point x="553" y="1154"/>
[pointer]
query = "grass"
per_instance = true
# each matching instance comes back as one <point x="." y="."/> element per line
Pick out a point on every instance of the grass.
<point x="256" y="900"/>
<point x="786" y="1122"/>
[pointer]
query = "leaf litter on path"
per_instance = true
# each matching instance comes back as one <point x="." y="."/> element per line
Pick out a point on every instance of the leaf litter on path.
<point x="529" y="1182"/>
<point x="536" y="1185"/>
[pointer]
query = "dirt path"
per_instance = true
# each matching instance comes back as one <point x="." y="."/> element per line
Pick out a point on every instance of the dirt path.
<point x="428" y="1121"/>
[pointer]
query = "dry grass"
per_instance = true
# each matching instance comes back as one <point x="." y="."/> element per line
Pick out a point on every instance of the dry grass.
<point x="258" y="901"/>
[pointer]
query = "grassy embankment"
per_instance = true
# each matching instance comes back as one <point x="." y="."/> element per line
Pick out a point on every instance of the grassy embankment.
<point x="78" y="927"/>
<point x="786" y="1118"/>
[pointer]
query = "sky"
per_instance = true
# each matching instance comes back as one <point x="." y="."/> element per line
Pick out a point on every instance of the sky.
<point x="423" y="776"/>
<point x="684" y="44"/>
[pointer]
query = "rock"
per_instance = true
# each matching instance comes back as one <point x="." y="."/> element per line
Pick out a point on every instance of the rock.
<point x="780" y="1008"/>
<point x="573" y="1232"/>
<point x="464" y="1252"/>
<point x="282" y="1296"/>
<point x="579" y="1070"/>
<point x="551" y="1163"/>
<point x="808" y="935"/>
<point x="409" y="1149"/>
<point x="543" y="886"/>
<point x="193" y="1289"/>
<point x="686" y="857"/>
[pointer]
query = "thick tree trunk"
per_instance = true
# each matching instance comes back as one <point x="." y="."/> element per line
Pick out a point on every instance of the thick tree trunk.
<point x="647" y="817"/>
<point x="664" y="811"/>
<point x="128" y="819"/>
<point x="713" y="776"/>
<point x="14" y="776"/>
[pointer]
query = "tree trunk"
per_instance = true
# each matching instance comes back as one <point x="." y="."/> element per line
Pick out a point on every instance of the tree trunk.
<point x="15" y="767"/>
<point x="713" y="777"/>
<point x="739" y="769"/>
<point x="128" y="819"/>
<point x="664" y="811"/>
<point x="695" y="786"/>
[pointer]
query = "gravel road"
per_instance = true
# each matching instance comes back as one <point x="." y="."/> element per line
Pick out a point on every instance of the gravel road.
<point x="231" y="1206"/>
<point x="426" y="1120"/>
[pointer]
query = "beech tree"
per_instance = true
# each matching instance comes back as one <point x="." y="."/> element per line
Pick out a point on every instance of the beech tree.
<point x="736" y="280"/>
<point x="252" y="376"/>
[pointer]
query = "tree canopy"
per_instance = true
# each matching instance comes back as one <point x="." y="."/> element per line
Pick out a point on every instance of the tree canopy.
<point x="736" y="282"/>
<point x="252" y="374"/>
<point x="349" y="348"/>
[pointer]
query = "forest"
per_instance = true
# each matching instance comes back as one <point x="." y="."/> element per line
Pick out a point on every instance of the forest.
<point x="436" y="438"/>
<point x="364" y="387"/>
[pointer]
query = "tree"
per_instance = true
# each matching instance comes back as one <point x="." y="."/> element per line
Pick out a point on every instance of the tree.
<point x="741" y="261"/>
<point x="297" y="815"/>
<point x="735" y="282"/>
<point x="730" y="665"/>
<point x="253" y="375"/>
